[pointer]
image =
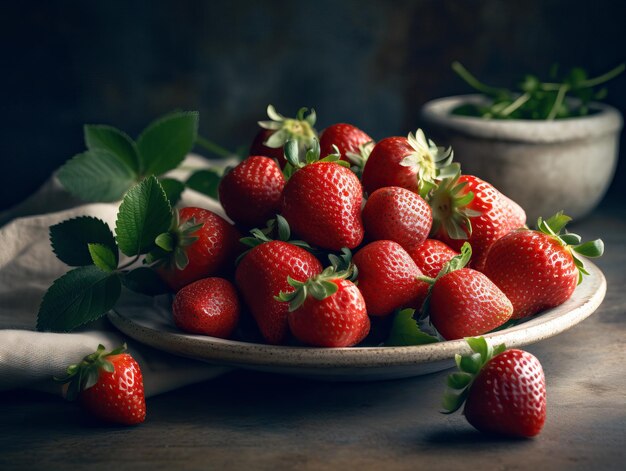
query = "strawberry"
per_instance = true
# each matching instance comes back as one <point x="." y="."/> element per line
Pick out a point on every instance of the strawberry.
<point x="200" y="244"/>
<point x="250" y="193"/>
<point x="466" y="208"/>
<point x="262" y="274"/>
<point x="327" y="310"/>
<point x="209" y="306"/>
<point x="463" y="302"/>
<point x="354" y="145"/>
<point x="278" y="130"/>
<point x="539" y="269"/>
<point x="109" y="386"/>
<point x="431" y="256"/>
<point x="412" y="163"/>
<point x="504" y="390"/>
<point x="388" y="278"/>
<point x="322" y="200"/>
<point x="398" y="214"/>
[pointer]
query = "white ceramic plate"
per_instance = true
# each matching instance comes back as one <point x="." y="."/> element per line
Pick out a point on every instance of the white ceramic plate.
<point x="149" y="322"/>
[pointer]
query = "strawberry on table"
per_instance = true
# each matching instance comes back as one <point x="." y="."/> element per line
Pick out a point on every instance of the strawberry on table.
<point x="539" y="269"/>
<point x="322" y="200"/>
<point x="463" y="302"/>
<point x="388" y="278"/>
<point x="431" y="256"/>
<point x="251" y="192"/>
<point x="278" y="130"/>
<point x="200" y="244"/>
<point x="209" y="306"/>
<point x="398" y="214"/>
<point x="354" y="145"/>
<point x="327" y="310"/>
<point x="262" y="274"/>
<point x="504" y="390"/>
<point x="413" y="163"/>
<point x="108" y="385"/>
<point x="466" y="208"/>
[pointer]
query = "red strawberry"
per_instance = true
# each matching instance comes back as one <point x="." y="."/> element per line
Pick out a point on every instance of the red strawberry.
<point x="464" y="302"/>
<point x="506" y="393"/>
<point x="412" y="163"/>
<point x="327" y="311"/>
<point x="202" y="244"/>
<point x="209" y="306"/>
<point x="109" y="386"/>
<point x="398" y="214"/>
<point x="353" y="144"/>
<point x="250" y="193"/>
<point x="278" y="130"/>
<point x="388" y="278"/>
<point x="431" y="256"/>
<point x="262" y="274"/>
<point x="322" y="201"/>
<point x="539" y="270"/>
<point x="466" y="208"/>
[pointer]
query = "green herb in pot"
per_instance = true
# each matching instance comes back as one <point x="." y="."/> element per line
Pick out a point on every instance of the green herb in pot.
<point x="536" y="99"/>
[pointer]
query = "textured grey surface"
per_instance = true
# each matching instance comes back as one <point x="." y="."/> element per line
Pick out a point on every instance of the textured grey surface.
<point x="259" y="421"/>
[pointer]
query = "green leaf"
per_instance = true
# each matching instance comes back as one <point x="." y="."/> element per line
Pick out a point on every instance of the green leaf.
<point x="284" y="231"/>
<point x="115" y="141"/>
<point x="146" y="281"/>
<point x="471" y="363"/>
<point x="143" y="215"/>
<point x="96" y="175"/>
<point x="405" y="331"/>
<point x="80" y="296"/>
<point x="103" y="257"/>
<point x="165" y="241"/>
<point x="173" y="189"/>
<point x="479" y="345"/>
<point x="165" y="143"/>
<point x="459" y="380"/>
<point x="70" y="238"/>
<point x="591" y="249"/>
<point x="206" y="182"/>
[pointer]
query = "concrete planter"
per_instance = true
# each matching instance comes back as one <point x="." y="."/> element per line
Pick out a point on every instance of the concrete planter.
<point x="545" y="166"/>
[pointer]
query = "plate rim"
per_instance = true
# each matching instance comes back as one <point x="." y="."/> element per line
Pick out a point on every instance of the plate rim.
<point x="548" y="324"/>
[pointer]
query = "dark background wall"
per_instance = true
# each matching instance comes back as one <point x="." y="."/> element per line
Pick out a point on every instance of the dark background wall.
<point x="372" y="63"/>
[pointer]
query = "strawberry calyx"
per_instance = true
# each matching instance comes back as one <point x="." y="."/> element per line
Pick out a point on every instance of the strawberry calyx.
<point x="555" y="228"/>
<point x="297" y="159"/>
<point x="299" y="129"/>
<point x="319" y="286"/>
<point x="85" y="374"/>
<point x="460" y="382"/>
<point x="449" y="204"/>
<point x="170" y="245"/>
<point x="455" y="263"/>
<point x="358" y="160"/>
<point x="431" y="162"/>
<point x="275" y="229"/>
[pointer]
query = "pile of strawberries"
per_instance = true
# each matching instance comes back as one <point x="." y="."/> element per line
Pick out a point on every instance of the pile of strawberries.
<point x="344" y="230"/>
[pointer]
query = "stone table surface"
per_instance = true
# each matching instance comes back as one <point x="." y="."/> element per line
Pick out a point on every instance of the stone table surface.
<point x="248" y="420"/>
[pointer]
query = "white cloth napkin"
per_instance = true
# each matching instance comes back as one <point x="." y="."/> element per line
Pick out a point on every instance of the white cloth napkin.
<point x="27" y="268"/>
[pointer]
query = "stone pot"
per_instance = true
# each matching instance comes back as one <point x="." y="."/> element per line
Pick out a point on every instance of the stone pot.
<point x="546" y="166"/>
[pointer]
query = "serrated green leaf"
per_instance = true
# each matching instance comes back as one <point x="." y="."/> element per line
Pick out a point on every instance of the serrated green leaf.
<point x="80" y="296"/>
<point x="173" y="189"/>
<point x="115" y="141"/>
<point x="591" y="249"/>
<point x="165" y="142"/>
<point x="206" y="182"/>
<point x="143" y="215"/>
<point x="405" y="331"/>
<point x="103" y="257"/>
<point x="146" y="281"/>
<point x="96" y="175"/>
<point x="69" y="239"/>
